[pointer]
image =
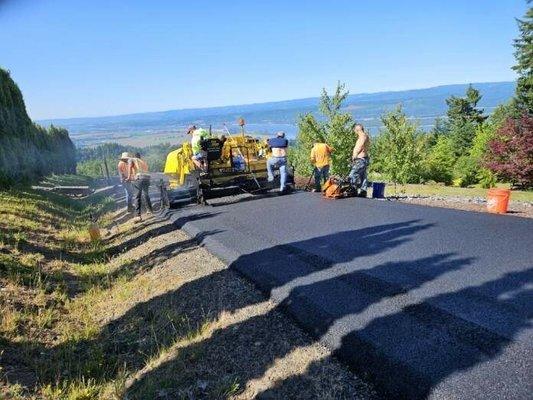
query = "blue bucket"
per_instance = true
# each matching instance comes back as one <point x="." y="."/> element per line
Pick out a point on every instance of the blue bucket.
<point x="378" y="190"/>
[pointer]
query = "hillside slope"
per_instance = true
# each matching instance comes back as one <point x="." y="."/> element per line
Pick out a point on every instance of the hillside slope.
<point x="28" y="150"/>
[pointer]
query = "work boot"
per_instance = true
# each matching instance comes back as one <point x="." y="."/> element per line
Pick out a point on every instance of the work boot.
<point x="362" y="193"/>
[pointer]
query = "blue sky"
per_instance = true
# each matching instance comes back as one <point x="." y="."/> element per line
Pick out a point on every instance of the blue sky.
<point x="91" y="58"/>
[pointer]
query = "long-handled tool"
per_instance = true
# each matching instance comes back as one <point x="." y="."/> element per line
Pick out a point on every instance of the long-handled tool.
<point x="240" y="153"/>
<point x="309" y="181"/>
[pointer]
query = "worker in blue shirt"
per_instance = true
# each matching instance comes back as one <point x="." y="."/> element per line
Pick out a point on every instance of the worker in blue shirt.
<point x="278" y="159"/>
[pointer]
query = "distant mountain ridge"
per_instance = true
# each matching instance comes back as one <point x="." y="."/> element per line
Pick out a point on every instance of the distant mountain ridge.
<point x="423" y="105"/>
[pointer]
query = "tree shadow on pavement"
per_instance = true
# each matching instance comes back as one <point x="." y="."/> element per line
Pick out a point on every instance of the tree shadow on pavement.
<point x="411" y="364"/>
<point x="282" y="266"/>
<point x="375" y="318"/>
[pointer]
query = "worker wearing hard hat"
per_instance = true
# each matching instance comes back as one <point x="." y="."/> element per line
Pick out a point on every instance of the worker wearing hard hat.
<point x="123" y="175"/>
<point x="199" y="157"/>
<point x="278" y="159"/>
<point x="321" y="159"/>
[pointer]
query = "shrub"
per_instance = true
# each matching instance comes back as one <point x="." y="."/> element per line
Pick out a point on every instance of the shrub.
<point x="510" y="153"/>
<point x="465" y="171"/>
<point x="398" y="150"/>
<point x="440" y="161"/>
<point x="335" y="129"/>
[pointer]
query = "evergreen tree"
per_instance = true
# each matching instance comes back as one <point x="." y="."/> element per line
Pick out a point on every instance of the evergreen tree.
<point x="463" y="118"/>
<point x="336" y="129"/>
<point x="397" y="151"/>
<point x="524" y="64"/>
<point x="464" y="109"/>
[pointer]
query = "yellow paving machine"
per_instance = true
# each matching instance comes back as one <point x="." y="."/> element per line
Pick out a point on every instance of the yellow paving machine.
<point x="235" y="164"/>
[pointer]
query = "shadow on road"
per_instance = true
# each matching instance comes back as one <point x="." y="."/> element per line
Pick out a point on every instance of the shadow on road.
<point x="374" y="317"/>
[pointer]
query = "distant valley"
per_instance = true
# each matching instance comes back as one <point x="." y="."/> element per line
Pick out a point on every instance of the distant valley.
<point x="142" y="129"/>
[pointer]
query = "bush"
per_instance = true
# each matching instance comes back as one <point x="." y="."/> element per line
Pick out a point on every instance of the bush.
<point x="440" y="161"/>
<point x="486" y="178"/>
<point x="465" y="171"/>
<point x="335" y="129"/>
<point x="397" y="152"/>
<point x="510" y="153"/>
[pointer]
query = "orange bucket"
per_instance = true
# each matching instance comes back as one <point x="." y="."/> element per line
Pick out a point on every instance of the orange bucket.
<point x="498" y="200"/>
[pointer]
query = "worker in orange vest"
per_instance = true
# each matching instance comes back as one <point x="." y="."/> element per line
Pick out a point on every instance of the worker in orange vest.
<point x="140" y="178"/>
<point x="122" y="168"/>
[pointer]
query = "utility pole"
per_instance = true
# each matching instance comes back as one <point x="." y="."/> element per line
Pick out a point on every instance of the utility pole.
<point x="106" y="170"/>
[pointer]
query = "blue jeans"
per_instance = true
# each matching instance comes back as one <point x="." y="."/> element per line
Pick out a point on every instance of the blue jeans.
<point x="321" y="176"/>
<point x="358" y="175"/>
<point x="128" y="190"/>
<point x="281" y="163"/>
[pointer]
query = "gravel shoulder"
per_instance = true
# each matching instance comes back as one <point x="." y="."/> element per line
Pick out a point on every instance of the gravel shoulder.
<point x="477" y="204"/>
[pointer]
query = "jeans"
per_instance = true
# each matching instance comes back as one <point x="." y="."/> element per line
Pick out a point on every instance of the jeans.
<point x="321" y="176"/>
<point x="281" y="163"/>
<point x="128" y="190"/>
<point x="142" y="187"/>
<point x="358" y="176"/>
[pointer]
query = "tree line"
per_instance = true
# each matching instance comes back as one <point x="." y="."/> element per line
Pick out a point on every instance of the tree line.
<point x="91" y="160"/>
<point x="27" y="150"/>
<point x="465" y="147"/>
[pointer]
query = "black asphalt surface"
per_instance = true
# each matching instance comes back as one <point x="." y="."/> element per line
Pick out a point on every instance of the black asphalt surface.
<point x="425" y="302"/>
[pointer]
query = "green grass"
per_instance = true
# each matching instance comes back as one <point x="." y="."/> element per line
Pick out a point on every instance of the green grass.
<point x="41" y="233"/>
<point x="67" y="180"/>
<point x="60" y="289"/>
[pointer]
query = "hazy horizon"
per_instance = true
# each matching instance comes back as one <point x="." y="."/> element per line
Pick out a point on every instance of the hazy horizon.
<point x="218" y="106"/>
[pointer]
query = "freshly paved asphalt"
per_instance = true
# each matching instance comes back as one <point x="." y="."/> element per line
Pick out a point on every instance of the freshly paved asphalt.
<point x="426" y="302"/>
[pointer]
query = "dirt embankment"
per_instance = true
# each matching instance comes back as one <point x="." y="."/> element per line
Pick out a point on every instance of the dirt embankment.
<point x="148" y="313"/>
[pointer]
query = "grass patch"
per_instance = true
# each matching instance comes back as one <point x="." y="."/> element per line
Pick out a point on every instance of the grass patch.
<point x="68" y="180"/>
<point x="41" y="234"/>
<point x="59" y="291"/>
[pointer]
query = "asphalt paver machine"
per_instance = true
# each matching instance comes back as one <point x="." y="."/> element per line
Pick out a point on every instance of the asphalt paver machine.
<point x="235" y="164"/>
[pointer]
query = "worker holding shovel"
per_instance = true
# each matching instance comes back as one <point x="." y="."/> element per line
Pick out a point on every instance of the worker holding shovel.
<point x="321" y="159"/>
